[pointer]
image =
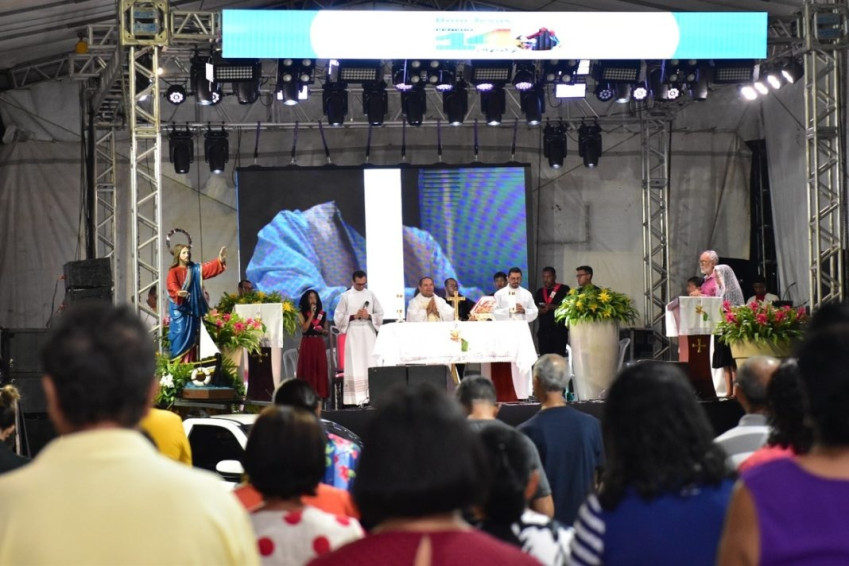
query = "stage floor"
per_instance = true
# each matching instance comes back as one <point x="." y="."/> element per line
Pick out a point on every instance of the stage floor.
<point x="723" y="414"/>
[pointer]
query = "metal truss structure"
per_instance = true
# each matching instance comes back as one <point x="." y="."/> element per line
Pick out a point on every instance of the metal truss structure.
<point x="826" y="34"/>
<point x="106" y="198"/>
<point x="655" y="140"/>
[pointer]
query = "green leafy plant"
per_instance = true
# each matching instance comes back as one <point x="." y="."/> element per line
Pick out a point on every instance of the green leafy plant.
<point x="595" y="304"/>
<point x="228" y="303"/>
<point x="760" y="322"/>
<point x="174" y="376"/>
<point x="231" y="332"/>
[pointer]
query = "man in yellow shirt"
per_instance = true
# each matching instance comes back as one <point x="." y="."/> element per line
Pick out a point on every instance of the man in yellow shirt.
<point x="166" y="430"/>
<point x="99" y="493"/>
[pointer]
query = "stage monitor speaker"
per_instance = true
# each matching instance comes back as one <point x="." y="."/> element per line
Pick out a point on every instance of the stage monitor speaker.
<point x="74" y="296"/>
<point x="88" y="274"/>
<point x="20" y="350"/>
<point x="382" y="379"/>
<point x="436" y="376"/>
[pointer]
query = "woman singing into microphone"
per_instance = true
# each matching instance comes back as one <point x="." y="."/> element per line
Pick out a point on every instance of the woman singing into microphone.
<point x="312" y="360"/>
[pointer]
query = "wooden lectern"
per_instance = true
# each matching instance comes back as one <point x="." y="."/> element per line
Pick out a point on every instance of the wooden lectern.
<point x="693" y="320"/>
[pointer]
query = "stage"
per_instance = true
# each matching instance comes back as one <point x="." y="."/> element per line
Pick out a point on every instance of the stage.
<point x="723" y="414"/>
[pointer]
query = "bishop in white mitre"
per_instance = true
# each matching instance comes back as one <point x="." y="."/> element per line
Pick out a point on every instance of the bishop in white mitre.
<point x="426" y="306"/>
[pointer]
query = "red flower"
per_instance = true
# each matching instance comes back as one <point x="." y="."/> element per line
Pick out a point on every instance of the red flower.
<point x="800" y="311"/>
<point x="780" y="315"/>
<point x="239" y="326"/>
<point x="219" y="324"/>
<point x="726" y="305"/>
<point x="731" y="317"/>
<point x="754" y="305"/>
<point x="762" y="319"/>
<point x="226" y="318"/>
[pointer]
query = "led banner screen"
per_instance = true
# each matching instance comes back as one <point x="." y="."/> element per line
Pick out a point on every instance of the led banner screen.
<point x="376" y="34"/>
<point x="310" y="227"/>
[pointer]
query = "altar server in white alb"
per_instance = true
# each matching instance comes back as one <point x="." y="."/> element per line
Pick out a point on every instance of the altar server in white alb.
<point x="358" y="315"/>
<point x="514" y="302"/>
<point x="427" y="306"/>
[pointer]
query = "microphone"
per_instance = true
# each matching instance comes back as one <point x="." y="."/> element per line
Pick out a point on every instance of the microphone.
<point x="787" y="290"/>
<point x="319" y="317"/>
<point x="365" y="305"/>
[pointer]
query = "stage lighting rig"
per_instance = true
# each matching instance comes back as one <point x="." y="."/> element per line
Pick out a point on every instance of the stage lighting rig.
<point x="414" y="104"/>
<point x="554" y="144"/>
<point x="617" y="71"/>
<point x="216" y="149"/>
<point x="176" y="94"/>
<point x="181" y="150"/>
<point x="442" y="75"/>
<point x="493" y="105"/>
<point x="560" y="71"/>
<point x="334" y="99"/>
<point x="375" y="102"/>
<point x="455" y="103"/>
<point x="207" y="92"/>
<point x="294" y="77"/>
<point x="525" y="76"/>
<point x="589" y="144"/>
<point x="488" y="75"/>
<point x="532" y="102"/>
<point x="604" y="92"/>
<point x="733" y="71"/>
<point x="356" y="71"/>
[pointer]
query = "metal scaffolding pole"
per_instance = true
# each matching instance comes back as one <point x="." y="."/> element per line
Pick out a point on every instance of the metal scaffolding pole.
<point x="144" y="30"/>
<point x="105" y="197"/>
<point x="825" y="29"/>
<point x="655" y="196"/>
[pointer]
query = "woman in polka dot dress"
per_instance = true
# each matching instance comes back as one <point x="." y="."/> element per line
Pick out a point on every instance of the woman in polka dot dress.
<point x="284" y="459"/>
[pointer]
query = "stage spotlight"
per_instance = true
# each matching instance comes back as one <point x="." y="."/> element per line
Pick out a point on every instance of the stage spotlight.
<point x="487" y="75"/>
<point x="748" y="92"/>
<point x="554" y="144"/>
<point x="247" y="92"/>
<point x="672" y="92"/>
<point x="532" y="102"/>
<point x="493" y="105"/>
<point x="557" y="71"/>
<point x="359" y="71"/>
<point x="640" y="91"/>
<point x="181" y="149"/>
<point x="733" y="71"/>
<point x="774" y="79"/>
<point x="618" y="71"/>
<point x="288" y="93"/>
<point x="525" y="76"/>
<point x="442" y="75"/>
<point x="604" y="92"/>
<point x="207" y="92"/>
<point x="414" y="105"/>
<point x="792" y="71"/>
<point x="216" y="149"/>
<point x="589" y="144"/>
<point x="623" y="92"/>
<point x="235" y="70"/>
<point x="375" y="102"/>
<point x="335" y="103"/>
<point x="455" y="103"/>
<point x="176" y="94"/>
<point x="578" y="89"/>
<point x="761" y="87"/>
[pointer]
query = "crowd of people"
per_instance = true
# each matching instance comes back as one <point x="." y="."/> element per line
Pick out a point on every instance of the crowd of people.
<point x="441" y="480"/>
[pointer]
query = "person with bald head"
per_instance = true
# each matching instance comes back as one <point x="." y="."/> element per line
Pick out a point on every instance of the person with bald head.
<point x="752" y="431"/>
<point x="568" y="441"/>
<point x="427" y="306"/>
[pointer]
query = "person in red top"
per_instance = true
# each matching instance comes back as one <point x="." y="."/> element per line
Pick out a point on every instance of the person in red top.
<point x="186" y="302"/>
<point x="551" y="336"/>
<point x="422" y="465"/>
<point x="312" y="360"/>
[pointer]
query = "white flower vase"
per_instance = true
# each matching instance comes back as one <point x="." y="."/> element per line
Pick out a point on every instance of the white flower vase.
<point x="239" y="359"/>
<point x="595" y="353"/>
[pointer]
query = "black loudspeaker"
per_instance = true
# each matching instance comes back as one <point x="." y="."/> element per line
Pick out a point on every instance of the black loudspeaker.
<point x="88" y="274"/>
<point x="383" y="379"/>
<point x="20" y="350"/>
<point x="436" y="376"/>
<point x="73" y="296"/>
<point x="642" y="343"/>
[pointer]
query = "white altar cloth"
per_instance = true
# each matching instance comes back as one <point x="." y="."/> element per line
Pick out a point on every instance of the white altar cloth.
<point x="430" y="343"/>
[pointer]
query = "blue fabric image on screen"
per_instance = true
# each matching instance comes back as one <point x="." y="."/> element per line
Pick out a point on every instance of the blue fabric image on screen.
<point x="479" y="218"/>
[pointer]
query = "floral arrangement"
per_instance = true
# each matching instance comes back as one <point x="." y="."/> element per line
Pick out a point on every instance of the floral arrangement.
<point x="290" y="312"/>
<point x="595" y="304"/>
<point x="174" y="376"/>
<point x="760" y="322"/>
<point x="231" y="332"/>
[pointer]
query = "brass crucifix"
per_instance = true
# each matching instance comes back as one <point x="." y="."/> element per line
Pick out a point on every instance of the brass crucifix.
<point x="456" y="299"/>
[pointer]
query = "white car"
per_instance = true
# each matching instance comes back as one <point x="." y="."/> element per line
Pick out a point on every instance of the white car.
<point x="218" y="442"/>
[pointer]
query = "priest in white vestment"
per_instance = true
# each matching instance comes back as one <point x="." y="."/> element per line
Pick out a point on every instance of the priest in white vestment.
<point x="358" y="315"/>
<point x="514" y="302"/>
<point x="426" y="306"/>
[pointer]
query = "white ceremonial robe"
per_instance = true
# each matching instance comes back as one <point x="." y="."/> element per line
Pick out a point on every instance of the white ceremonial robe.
<point x="506" y="300"/>
<point x="359" y="341"/>
<point x="417" y="310"/>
